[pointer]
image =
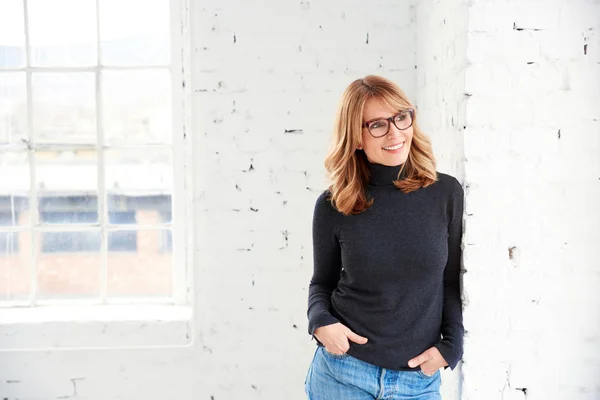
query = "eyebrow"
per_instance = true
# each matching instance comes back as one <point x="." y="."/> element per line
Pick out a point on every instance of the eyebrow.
<point x="379" y="118"/>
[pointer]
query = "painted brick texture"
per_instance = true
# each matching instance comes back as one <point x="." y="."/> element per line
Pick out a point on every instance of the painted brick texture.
<point x="532" y="171"/>
<point x="508" y="92"/>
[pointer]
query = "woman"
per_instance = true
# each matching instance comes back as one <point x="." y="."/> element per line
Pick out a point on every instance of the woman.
<point x="384" y="299"/>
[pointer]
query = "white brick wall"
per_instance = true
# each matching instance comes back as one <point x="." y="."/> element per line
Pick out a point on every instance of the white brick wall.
<point x="532" y="169"/>
<point x="441" y="63"/>
<point x="263" y="68"/>
<point x="440" y="98"/>
<point x="295" y="68"/>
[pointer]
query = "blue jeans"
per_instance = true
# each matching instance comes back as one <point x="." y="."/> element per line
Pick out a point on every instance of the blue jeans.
<point x="333" y="377"/>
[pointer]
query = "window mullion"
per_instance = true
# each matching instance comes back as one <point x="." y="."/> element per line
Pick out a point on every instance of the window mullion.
<point x="182" y="193"/>
<point x="186" y="247"/>
<point x="33" y="201"/>
<point x="102" y="207"/>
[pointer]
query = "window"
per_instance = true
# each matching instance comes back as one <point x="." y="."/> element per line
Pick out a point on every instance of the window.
<point x="89" y="123"/>
<point x="122" y="240"/>
<point x="9" y="241"/>
<point x="166" y="239"/>
<point x="56" y="242"/>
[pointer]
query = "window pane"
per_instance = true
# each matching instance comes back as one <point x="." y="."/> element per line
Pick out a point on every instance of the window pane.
<point x="12" y="34"/>
<point x="140" y="181"/>
<point x="134" y="32"/>
<point x="67" y="185"/>
<point x="13" y="107"/>
<point x="63" y="32"/>
<point x="137" y="106"/>
<point x="166" y="217"/>
<point x="64" y="108"/>
<point x="61" y="217"/>
<point x="121" y="217"/>
<point x="147" y="272"/>
<point x="166" y="241"/>
<point x="68" y="265"/>
<point x="8" y="219"/>
<point x="15" y="265"/>
<point x="14" y="189"/>
<point x="69" y="210"/>
<point x="70" y="242"/>
<point x="122" y="240"/>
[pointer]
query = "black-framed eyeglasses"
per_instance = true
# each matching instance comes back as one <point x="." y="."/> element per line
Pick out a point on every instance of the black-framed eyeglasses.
<point x="381" y="127"/>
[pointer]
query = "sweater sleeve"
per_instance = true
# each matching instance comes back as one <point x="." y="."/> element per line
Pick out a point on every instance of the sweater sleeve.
<point x="326" y="265"/>
<point x="451" y="344"/>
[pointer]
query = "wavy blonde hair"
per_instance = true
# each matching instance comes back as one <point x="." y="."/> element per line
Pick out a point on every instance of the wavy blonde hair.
<point x="348" y="169"/>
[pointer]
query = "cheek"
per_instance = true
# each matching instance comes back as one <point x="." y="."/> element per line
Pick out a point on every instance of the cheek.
<point x="365" y="137"/>
<point x="370" y="144"/>
<point x="409" y="136"/>
<point x="368" y="141"/>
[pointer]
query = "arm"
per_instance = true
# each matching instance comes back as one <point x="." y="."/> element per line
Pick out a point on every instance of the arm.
<point x="451" y="344"/>
<point x="327" y="266"/>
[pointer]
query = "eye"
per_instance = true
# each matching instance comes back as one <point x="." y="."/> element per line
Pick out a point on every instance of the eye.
<point x="401" y="117"/>
<point x="377" y="124"/>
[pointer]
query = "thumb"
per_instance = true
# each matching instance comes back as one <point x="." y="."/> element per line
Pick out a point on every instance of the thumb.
<point x="420" y="359"/>
<point x="356" y="338"/>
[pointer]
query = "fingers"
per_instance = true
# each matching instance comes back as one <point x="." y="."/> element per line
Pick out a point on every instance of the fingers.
<point x="336" y="350"/>
<point x="429" y="367"/>
<point x="338" y="346"/>
<point x="420" y="359"/>
<point x="356" y="338"/>
<point x="336" y="338"/>
<point x="430" y="361"/>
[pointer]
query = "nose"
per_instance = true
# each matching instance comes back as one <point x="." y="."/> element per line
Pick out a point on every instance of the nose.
<point x="394" y="132"/>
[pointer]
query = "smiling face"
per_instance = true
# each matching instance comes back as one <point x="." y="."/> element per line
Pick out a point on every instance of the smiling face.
<point x="392" y="149"/>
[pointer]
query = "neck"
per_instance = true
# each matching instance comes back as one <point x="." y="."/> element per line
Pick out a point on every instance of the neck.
<point x="381" y="175"/>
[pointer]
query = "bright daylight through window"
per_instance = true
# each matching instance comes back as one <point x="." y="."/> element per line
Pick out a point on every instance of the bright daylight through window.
<point x="86" y="142"/>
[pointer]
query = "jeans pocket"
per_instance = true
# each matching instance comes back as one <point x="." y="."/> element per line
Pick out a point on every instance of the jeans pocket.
<point x="336" y="356"/>
<point x="424" y="375"/>
<point x="310" y="367"/>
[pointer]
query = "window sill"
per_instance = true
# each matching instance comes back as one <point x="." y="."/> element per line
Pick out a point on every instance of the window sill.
<point x="91" y="327"/>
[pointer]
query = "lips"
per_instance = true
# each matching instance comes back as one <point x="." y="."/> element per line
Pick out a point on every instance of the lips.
<point x="394" y="147"/>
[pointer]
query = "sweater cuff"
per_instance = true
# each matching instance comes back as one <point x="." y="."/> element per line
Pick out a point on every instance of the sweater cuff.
<point x="449" y="352"/>
<point x="320" y="320"/>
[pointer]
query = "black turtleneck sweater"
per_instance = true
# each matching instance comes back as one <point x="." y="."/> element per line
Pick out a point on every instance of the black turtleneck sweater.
<point x="391" y="273"/>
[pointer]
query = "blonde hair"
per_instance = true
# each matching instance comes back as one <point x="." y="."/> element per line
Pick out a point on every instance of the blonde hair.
<point x="348" y="168"/>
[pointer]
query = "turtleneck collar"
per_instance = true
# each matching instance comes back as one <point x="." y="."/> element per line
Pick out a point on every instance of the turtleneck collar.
<point x="381" y="175"/>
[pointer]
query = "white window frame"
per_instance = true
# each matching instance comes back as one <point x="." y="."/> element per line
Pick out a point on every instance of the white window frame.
<point x="106" y="325"/>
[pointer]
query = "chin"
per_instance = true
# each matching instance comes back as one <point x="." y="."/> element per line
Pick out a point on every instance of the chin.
<point x="389" y="163"/>
<point x="393" y="161"/>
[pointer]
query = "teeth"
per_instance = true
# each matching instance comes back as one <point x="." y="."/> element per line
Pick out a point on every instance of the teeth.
<point x="396" y="147"/>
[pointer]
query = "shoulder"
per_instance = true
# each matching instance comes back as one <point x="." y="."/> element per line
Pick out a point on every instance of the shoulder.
<point x="324" y="212"/>
<point x="449" y="184"/>
<point x="323" y="204"/>
<point x="452" y="191"/>
<point x="449" y="188"/>
<point x="324" y="198"/>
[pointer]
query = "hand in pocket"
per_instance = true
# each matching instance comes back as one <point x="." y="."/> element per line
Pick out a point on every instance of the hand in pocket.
<point x="336" y="338"/>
